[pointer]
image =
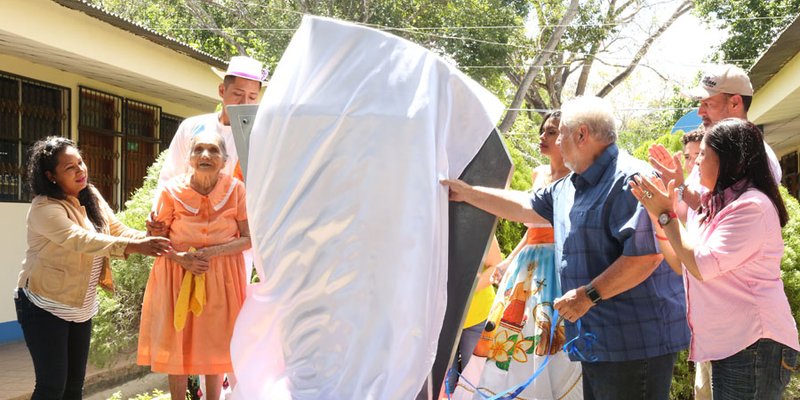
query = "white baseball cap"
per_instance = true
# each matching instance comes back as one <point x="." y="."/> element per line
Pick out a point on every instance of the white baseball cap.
<point x="244" y="67"/>
<point x="718" y="79"/>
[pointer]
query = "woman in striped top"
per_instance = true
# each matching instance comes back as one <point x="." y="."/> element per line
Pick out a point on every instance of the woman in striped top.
<point x="72" y="232"/>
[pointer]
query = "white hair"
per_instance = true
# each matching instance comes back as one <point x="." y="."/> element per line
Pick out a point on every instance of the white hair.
<point x="594" y="112"/>
<point x="220" y="142"/>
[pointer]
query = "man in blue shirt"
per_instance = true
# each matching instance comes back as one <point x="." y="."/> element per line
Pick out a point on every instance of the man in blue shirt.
<point x="612" y="277"/>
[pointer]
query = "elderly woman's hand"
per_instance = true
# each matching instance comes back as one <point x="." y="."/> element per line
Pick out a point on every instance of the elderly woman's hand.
<point x="650" y="191"/>
<point x="190" y="261"/>
<point x="149" y="246"/>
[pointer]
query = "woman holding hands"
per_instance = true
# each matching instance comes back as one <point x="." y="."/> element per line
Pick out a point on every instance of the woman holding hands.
<point x="71" y="235"/>
<point x="730" y="259"/>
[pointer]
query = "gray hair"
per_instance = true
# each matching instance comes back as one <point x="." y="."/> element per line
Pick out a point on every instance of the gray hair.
<point x="220" y="142"/>
<point x="594" y="112"/>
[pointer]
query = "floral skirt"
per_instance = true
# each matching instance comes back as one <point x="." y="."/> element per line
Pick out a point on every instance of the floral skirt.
<point x="517" y="336"/>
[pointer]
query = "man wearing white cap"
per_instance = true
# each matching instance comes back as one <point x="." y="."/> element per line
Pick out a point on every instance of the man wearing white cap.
<point x="241" y="85"/>
<point x="724" y="91"/>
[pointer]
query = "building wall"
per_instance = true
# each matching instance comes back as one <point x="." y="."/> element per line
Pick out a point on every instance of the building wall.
<point x="69" y="37"/>
<point x="12" y="215"/>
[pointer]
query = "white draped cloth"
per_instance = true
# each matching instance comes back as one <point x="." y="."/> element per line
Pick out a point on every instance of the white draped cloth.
<point x="348" y="218"/>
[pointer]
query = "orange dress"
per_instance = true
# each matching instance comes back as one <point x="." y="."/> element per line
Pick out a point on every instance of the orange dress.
<point x="198" y="221"/>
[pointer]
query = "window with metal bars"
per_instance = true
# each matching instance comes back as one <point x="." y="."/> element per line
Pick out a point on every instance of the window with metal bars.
<point x="169" y="125"/>
<point x="29" y="110"/>
<point x="99" y="133"/>
<point x="120" y="138"/>
<point x="141" y="143"/>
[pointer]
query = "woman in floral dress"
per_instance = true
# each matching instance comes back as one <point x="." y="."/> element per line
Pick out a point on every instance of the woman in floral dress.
<point x="516" y="338"/>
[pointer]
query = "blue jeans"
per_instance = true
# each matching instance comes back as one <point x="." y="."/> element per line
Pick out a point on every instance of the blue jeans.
<point x="761" y="371"/>
<point x="59" y="350"/>
<point x="647" y="379"/>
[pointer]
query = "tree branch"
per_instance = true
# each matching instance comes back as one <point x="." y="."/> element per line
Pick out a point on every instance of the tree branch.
<point x="682" y="9"/>
<point x="208" y="23"/>
<point x="536" y="66"/>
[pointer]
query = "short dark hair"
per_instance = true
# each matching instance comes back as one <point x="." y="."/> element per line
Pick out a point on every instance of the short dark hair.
<point x="743" y="163"/>
<point x="746" y="100"/>
<point x="693" y="136"/>
<point x="229" y="79"/>
<point x="42" y="158"/>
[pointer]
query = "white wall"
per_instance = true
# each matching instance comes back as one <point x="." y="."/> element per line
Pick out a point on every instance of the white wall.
<point x="12" y="248"/>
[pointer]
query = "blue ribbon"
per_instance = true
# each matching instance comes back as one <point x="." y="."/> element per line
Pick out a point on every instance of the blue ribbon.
<point x="587" y="338"/>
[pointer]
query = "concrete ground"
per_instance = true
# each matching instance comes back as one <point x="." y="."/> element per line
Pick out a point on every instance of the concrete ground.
<point x="137" y="386"/>
<point x="17" y="377"/>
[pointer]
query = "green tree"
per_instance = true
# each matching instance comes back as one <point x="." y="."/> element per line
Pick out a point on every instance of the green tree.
<point x="588" y="41"/>
<point x="752" y="25"/>
<point x="527" y="69"/>
<point x="263" y="28"/>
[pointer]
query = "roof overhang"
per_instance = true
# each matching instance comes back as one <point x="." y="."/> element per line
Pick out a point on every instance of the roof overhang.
<point x="80" y="39"/>
<point x="776" y="80"/>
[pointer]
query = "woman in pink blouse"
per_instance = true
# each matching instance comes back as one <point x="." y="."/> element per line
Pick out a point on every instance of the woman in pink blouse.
<point x="730" y="261"/>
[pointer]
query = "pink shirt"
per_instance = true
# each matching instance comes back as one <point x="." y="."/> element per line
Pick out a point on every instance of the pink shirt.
<point x="741" y="297"/>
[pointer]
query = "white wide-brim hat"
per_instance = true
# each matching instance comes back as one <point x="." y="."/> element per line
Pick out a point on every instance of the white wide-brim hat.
<point x="244" y="67"/>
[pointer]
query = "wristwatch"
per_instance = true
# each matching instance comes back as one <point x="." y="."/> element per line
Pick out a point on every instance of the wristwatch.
<point x="681" y="188"/>
<point x="665" y="217"/>
<point x="591" y="293"/>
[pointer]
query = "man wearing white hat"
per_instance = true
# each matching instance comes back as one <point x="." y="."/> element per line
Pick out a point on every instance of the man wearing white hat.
<point x="724" y="91"/>
<point x="241" y="85"/>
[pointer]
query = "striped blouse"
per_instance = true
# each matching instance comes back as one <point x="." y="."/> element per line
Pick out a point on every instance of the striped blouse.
<point x="90" y="303"/>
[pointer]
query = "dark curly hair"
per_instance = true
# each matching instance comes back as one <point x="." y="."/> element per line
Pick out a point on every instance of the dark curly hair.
<point x="693" y="136"/>
<point x="743" y="163"/>
<point x="43" y="157"/>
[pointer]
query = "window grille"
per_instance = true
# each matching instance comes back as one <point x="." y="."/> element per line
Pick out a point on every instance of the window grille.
<point x="169" y="125"/>
<point x="99" y="130"/>
<point x="29" y="110"/>
<point x="141" y="143"/>
<point x="120" y="138"/>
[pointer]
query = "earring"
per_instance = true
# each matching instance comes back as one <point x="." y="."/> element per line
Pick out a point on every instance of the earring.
<point x="54" y="182"/>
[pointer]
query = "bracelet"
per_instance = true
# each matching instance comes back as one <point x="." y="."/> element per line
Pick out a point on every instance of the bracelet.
<point x="659" y="237"/>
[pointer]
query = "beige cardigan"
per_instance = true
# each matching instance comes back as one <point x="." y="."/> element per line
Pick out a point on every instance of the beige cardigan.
<point x="62" y="243"/>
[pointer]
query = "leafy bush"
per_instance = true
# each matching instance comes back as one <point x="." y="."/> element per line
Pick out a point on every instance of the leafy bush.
<point x="790" y="269"/>
<point x="115" y="329"/>
<point x="672" y="142"/>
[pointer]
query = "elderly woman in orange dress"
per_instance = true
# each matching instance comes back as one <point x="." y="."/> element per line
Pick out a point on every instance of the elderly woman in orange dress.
<point x="194" y="294"/>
